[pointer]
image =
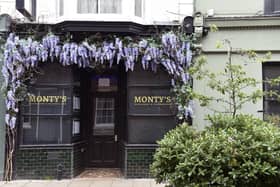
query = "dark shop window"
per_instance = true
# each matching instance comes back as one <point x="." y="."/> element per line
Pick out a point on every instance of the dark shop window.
<point x="271" y="103"/>
<point x="46" y="116"/>
<point x="272" y="7"/>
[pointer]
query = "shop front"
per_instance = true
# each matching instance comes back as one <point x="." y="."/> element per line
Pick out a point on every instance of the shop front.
<point x="80" y="118"/>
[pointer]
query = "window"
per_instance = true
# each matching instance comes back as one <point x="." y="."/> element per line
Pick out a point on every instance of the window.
<point x="46" y="116"/>
<point x="272" y="7"/>
<point x="138" y="8"/>
<point x="99" y="6"/>
<point x="61" y="7"/>
<point x="271" y="104"/>
<point x="104" y="116"/>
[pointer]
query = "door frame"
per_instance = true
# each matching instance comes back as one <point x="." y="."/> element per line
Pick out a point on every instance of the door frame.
<point x="116" y="128"/>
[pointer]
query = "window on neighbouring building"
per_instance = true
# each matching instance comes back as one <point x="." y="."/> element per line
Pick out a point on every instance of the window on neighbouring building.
<point x="271" y="104"/>
<point x="99" y="6"/>
<point x="272" y="7"/>
<point x="138" y="8"/>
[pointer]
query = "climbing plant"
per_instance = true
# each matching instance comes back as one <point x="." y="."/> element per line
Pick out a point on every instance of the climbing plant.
<point x="173" y="51"/>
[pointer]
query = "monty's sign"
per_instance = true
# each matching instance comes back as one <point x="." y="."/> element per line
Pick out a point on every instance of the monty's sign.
<point x="47" y="99"/>
<point x="152" y="100"/>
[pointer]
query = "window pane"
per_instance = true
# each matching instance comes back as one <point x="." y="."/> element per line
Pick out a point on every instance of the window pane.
<point x="276" y="6"/>
<point x="104" y="116"/>
<point x="61" y="7"/>
<point x="138" y="8"/>
<point x="272" y="107"/>
<point x="87" y="6"/>
<point x="110" y="6"/>
<point x="51" y="101"/>
<point x="46" y="130"/>
<point x="49" y="130"/>
<point x="271" y="71"/>
<point x="29" y="130"/>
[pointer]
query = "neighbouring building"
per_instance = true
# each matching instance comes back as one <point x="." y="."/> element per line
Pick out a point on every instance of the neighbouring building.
<point x="82" y="118"/>
<point x="251" y="24"/>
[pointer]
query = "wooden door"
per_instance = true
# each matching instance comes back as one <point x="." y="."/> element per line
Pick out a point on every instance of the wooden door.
<point x="103" y="140"/>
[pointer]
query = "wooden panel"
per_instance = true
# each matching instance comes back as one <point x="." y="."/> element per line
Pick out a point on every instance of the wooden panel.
<point x="103" y="151"/>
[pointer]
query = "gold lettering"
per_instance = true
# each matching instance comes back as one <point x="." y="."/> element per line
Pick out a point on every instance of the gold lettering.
<point x="63" y="99"/>
<point x="45" y="99"/>
<point x="39" y="99"/>
<point x="56" y="98"/>
<point x="51" y="98"/>
<point x="144" y="99"/>
<point x="150" y="99"/>
<point x="32" y="99"/>
<point x="168" y="99"/>
<point x="137" y="99"/>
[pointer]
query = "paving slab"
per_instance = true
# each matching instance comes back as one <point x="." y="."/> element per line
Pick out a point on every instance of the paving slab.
<point x="122" y="183"/>
<point x="61" y="183"/>
<point x="37" y="184"/>
<point x="88" y="182"/>
<point x="79" y="183"/>
<point x="101" y="183"/>
<point x="141" y="183"/>
<point x="15" y="183"/>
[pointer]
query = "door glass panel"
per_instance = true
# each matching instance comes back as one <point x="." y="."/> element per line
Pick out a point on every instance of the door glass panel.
<point x="104" y="116"/>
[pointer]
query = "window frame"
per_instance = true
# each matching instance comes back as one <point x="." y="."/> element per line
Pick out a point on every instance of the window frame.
<point x="269" y="8"/>
<point x="99" y="9"/>
<point x="60" y="116"/>
<point x="142" y="9"/>
<point x="112" y="124"/>
<point x="267" y="100"/>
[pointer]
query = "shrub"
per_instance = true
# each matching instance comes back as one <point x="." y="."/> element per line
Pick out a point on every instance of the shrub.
<point x="272" y="118"/>
<point x="240" y="151"/>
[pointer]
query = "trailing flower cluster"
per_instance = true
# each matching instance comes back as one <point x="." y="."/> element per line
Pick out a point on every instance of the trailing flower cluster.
<point x="23" y="55"/>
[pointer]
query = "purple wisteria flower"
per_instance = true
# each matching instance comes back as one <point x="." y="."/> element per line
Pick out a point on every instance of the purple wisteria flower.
<point x="21" y="55"/>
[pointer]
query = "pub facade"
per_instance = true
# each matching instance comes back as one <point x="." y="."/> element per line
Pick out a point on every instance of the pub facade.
<point x="104" y="117"/>
<point x="76" y="119"/>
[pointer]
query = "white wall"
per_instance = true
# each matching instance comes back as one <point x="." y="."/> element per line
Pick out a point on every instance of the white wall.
<point x="8" y="7"/>
<point x="155" y="11"/>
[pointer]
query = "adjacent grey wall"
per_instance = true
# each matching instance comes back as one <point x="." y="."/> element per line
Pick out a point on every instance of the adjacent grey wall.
<point x="230" y="7"/>
<point x="2" y="125"/>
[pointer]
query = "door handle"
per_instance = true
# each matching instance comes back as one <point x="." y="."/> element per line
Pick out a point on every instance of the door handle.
<point x="116" y="138"/>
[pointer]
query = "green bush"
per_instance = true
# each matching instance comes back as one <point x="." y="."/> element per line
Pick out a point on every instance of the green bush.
<point x="272" y="118"/>
<point x="243" y="151"/>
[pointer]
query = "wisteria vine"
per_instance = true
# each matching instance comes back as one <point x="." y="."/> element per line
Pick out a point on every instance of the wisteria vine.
<point x="23" y="55"/>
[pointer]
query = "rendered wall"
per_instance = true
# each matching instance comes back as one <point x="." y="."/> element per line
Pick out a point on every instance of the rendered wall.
<point x="2" y="125"/>
<point x="259" y="34"/>
<point x="231" y="7"/>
